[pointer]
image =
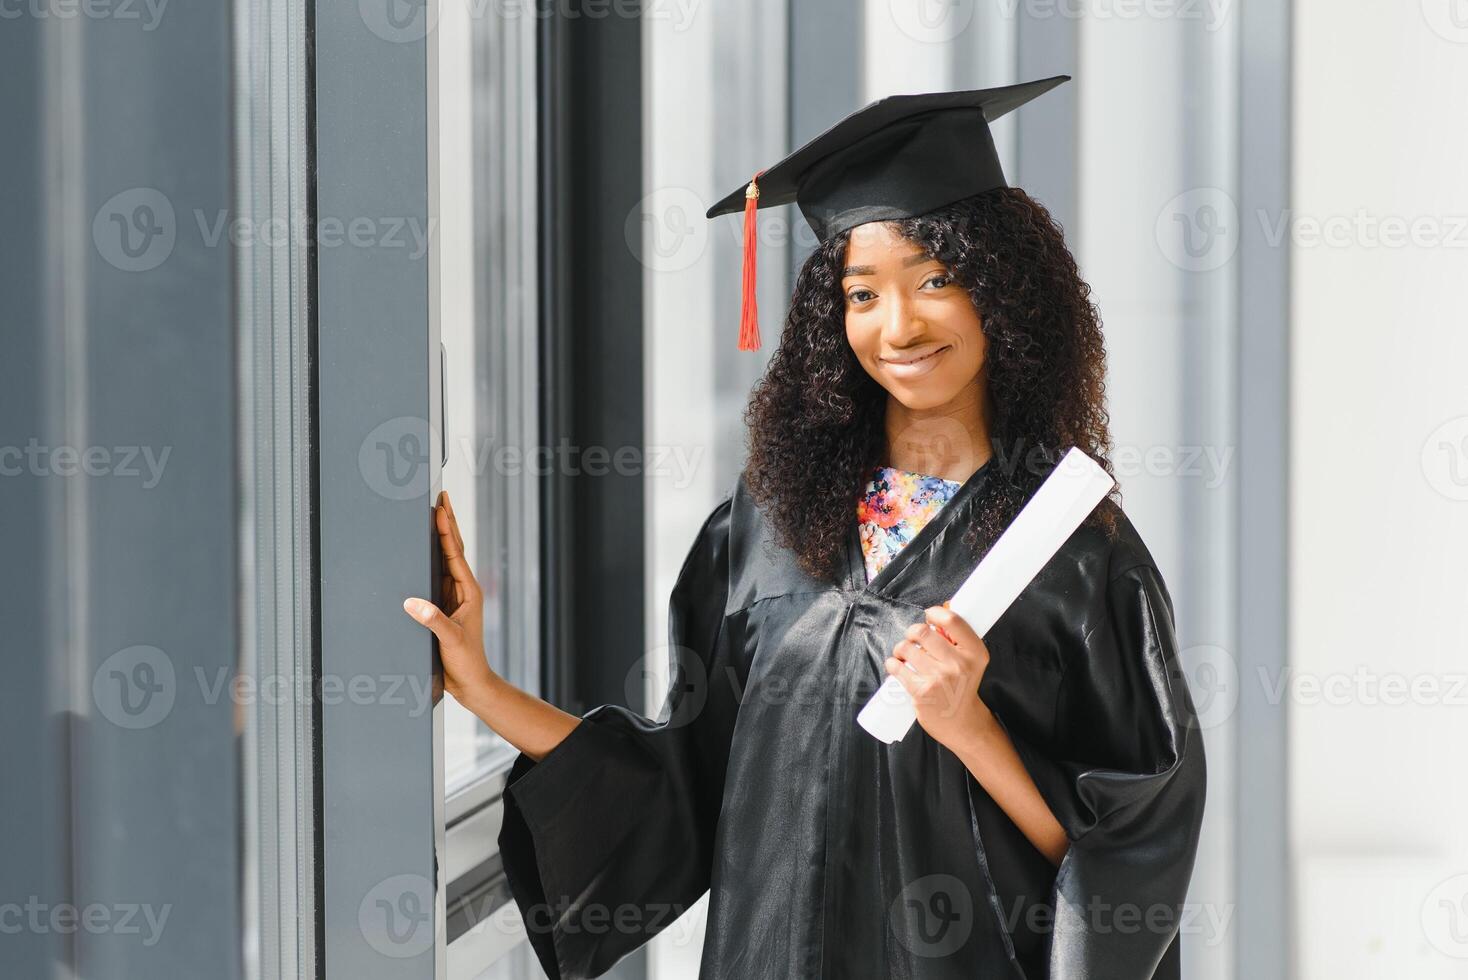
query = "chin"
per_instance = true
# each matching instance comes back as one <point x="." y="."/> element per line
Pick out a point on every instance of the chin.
<point x="921" y="398"/>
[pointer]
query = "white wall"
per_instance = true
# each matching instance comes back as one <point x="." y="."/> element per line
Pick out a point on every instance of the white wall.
<point x="1156" y="151"/>
<point x="1379" y="497"/>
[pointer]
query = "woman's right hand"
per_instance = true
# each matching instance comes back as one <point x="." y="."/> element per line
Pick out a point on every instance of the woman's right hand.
<point x="460" y="625"/>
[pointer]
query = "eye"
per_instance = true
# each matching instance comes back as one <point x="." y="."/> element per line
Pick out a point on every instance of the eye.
<point x="939" y="280"/>
<point x="857" y="295"/>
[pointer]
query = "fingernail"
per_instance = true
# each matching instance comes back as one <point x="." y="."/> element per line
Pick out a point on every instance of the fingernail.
<point x="415" y="608"/>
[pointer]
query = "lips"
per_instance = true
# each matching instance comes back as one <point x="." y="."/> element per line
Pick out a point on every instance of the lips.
<point x="910" y="366"/>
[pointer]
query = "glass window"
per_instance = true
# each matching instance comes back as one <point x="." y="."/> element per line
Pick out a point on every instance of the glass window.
<point x="487" y="267"/>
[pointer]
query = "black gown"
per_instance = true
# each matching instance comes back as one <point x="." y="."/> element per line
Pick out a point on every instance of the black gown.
<point x="832" y="855"/>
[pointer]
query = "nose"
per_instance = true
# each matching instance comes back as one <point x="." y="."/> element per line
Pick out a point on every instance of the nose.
<point x="901" y="327"/>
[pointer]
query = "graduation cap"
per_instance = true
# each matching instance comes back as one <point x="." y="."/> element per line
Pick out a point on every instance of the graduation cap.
<point x="898" y="157"/>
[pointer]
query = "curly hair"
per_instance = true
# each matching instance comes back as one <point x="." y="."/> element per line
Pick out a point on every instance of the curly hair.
<point x="1045" y="368"/>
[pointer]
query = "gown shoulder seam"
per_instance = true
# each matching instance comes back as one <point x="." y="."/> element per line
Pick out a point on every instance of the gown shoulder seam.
<point x="1129" y="568"/>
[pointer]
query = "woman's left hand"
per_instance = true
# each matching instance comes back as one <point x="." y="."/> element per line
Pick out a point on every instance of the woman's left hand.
<point x="942" y="673"/>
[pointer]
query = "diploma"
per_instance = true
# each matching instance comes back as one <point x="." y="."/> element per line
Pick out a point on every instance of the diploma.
<point x="1062" y="503"/>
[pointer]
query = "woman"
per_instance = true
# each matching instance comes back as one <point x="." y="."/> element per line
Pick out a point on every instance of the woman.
<point x="935" y="363"/>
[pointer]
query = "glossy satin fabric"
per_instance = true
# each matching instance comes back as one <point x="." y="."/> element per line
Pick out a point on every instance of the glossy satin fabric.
<point x="831" y="855"/>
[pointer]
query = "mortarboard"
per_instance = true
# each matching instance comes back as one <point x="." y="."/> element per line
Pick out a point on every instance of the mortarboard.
<point x="898" y="157"/>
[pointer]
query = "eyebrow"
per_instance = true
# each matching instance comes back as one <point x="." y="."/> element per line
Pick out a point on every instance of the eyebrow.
<point x="917" y="258"/>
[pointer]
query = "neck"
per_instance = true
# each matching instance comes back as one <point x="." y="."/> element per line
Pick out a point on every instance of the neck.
<point x="950" y="441"/>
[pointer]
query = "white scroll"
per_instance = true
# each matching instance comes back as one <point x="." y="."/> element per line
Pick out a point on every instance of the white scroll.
<point x="1062" y="503"/>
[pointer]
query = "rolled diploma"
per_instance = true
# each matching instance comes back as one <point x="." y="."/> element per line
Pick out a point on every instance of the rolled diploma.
<point x="1062" y="503"/>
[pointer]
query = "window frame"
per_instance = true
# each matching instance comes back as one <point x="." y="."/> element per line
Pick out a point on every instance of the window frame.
<point x="377" y="377"/>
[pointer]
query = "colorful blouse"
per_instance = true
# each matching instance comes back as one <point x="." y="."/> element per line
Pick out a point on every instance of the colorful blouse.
<point x="894" y="508"/>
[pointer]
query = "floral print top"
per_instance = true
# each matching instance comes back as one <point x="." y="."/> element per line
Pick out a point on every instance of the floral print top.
<point x="894" y="508"/>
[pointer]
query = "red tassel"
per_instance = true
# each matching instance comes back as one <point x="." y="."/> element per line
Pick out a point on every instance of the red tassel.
<point x="749" y="311"/>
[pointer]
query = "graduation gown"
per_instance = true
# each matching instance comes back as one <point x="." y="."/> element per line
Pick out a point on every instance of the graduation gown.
<point x="831" y="855"/>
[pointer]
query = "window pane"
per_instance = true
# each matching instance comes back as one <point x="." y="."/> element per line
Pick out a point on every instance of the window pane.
<point x="486" y="247"/>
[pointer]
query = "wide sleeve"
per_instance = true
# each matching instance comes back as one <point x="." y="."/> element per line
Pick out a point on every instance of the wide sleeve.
<point x="609" y="837"/>
<point x="1128" y="789"/>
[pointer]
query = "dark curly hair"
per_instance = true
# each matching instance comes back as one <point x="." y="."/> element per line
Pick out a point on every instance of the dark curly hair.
<point x="817" y="419"/>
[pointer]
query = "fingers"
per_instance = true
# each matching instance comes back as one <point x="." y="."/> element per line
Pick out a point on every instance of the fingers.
<point x="954" y="628"/>
<point x="925" y="633"/>
<point x="919" y="660"/>
<point x="896" y="668"/>
<point x="929" y="652"/>
<point x="917" y="671"/>
<point x="448" y="506"/>
<point x="452" y="543"/>
<point x="448" y="632"/>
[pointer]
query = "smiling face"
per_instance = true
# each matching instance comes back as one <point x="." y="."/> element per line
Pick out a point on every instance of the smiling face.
<point x="913" y="328"/>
